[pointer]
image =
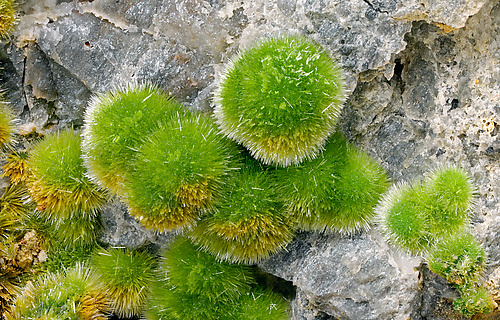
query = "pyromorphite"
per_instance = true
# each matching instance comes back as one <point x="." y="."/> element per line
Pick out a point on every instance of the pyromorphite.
<point x="180" y="169"/>
<point x="116" y="123"/>
<point x="280" y="99"/>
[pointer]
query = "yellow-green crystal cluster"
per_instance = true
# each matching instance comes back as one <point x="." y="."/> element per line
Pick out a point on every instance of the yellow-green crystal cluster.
<point x="432" y="218"/>
<point x="281" y="99"/>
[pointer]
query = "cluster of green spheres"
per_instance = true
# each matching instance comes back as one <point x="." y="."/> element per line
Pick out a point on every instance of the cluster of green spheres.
<point x="432" y="218"/>
<point x="166" y="162"/>
<point x="65" y="197"/>
<point x="177" y="170"/>
<point x="415" y="216"/>
<point x="127" y="276"/>
<point x="75" y="293"/>
<point x="192" y="284"/>
<point x="239" y="185"/>
<point x="336" y="191"/>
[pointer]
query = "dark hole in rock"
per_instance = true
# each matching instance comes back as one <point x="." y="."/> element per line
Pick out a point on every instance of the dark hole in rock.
<point x="489" y="150"/>
<point x="324" y="316"/>
<point x="276" y="284"/>
<point x="439" y="152"/>
<point x="398" y="68"/>
<point x="455" y="103"/>
<point x="496" y="130"/>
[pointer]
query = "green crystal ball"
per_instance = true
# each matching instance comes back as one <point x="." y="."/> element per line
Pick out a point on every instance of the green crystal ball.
<point x="280" y="99"/>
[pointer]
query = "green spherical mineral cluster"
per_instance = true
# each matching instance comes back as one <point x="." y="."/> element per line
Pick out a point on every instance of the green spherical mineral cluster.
<point x="474" y="301"/>
<point x="78" y="230"/>
<point x="249" y="223"/>
<point x="334" y="192"/>
<point x="307" y="190"/>
<point x="450" y="197"/>
<point x="281" y="99"/>
<point x="58" y="181"/>
<point x="73" y="294"/>
<point x="196" y="272"/>
<point x="192" y="284"/>
<point x="180" y="169"/>
<point x="402" y="221"/>
<point x="460" y="260"/>
<point x="116" y="123"/>
<point x="261" y="305"/>
<point x="169" y="302"/>
<point x="358" y="190"/>
<point x="127" y="276"/>
<point x="417" y="215"/>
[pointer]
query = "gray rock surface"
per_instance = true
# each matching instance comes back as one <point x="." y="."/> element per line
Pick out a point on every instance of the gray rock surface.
<point x="356" y="277"/>
<point x="122" y="230"/>
<point x="436" y="297"/>
<point x="302" y="309"/>
<point x="448" y="15"/>
<point x="424" y="82"/>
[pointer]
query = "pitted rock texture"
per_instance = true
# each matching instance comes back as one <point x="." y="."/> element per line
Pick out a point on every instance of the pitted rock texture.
<point x="424" y="85"/>
<point x="102" y="55"/>
<point x="356" y="277"/>
<point x="441" y="107"/>
<point x="446" y="14"/>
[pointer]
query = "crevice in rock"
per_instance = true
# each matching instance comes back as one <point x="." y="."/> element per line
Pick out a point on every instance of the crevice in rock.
<point x="121" y="25"/>
<point x="12" y="64"/>
<point x="26" y="111"/>
<point x="436" y="297"/>
<point x="53" y="119"/>
<point x="455" y="103"/>
<point x="279" y="285"/>
<point x="376" y="9"/>
<point x="398" y="80"/>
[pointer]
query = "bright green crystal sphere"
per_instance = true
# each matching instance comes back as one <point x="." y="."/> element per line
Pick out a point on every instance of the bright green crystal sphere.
<point x="281" y="99"/>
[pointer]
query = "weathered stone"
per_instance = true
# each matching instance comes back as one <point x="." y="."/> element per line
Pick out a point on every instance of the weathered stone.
<point x="73" y="97"/>
<point x="45" y="95"/>
<point x="341" y="25"/>
<point x="437" y="298"/>
<point x="102" y="55"/>
<point x="301" y="309"/>
<point x="38" y="74"/>
<point x="120" y="229"/>
<point x="355" y="277"/>
<point x="452" y="14"/>
<point x="128" y="13"/>
<point x="11" y="76"/>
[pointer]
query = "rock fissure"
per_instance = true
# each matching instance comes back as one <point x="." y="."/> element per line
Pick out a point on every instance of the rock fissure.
<point x="23" y="90"/>
<point x="376" y="9"/>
